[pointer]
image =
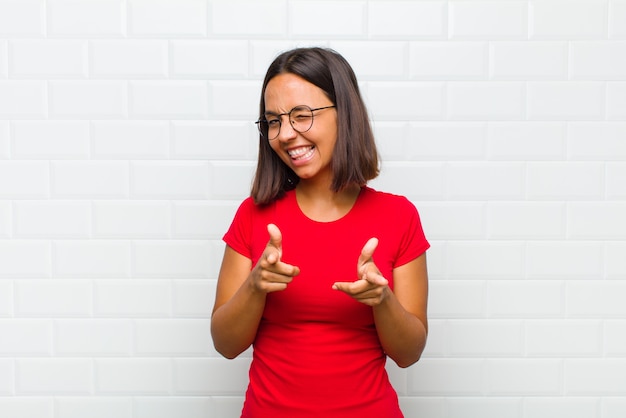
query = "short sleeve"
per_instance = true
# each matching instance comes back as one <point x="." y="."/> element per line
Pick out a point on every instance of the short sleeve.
<point x="413" y="242"/>
<point x="239" y="234"/>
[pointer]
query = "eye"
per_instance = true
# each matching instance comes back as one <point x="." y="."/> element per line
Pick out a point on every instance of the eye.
<point x="273" y="122"/>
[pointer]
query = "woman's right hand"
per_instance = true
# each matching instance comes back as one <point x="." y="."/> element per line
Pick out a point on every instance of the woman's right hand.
<point x="270" y="274"/>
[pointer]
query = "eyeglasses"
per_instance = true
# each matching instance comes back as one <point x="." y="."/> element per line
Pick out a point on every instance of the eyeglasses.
<point x="300" y="118"/>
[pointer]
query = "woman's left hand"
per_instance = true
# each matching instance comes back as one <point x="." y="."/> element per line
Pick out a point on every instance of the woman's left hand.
<point x="371" y="288"/>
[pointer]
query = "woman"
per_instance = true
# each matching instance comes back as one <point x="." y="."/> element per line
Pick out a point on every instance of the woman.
<point x="325" y="276"/>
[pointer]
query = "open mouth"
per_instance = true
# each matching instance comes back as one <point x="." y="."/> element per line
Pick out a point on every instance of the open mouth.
<point x="301" y="153"/>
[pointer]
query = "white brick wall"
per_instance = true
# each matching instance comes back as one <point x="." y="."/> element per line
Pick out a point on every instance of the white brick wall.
<point x="127" y="142"/>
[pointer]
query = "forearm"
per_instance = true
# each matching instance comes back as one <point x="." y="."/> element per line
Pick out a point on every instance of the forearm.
<point x="402" y="334"/>
<point x="235" y="323"/>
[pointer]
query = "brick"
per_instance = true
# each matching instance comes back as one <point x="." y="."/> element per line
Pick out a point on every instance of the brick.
<point x="561" y="407"/>
<point x="44" y="219"/>
<point x="526" y="141"/>
<point x="430" y="406"/>
<point x="50" y="140"/>
<point x="6" y="299"/>
<point x="585" y="19"/>
<point x="190" y="376"/>
<point x="77" y="18"/>
<point x="54" y="376"/>
<point x="488" y="19"/>
<point x="4" y="140"/>
<point x="392" y="140"/>
<point x="129" y="58"/>
<point x="260" y="19"/>
<point x="497" y="100"/>
<point x="7" y="378"/>
<point x="167" y="17"/>
<point x="138" y="298"/>
<point x="203" y="58"/>
<point x="427" y="180"/>
<point x="33" y="175"/>
<point x="131" y="139"/>
<point x="614" y="338"/>
<point x="391" y="62"/>
<point x="599" y="60"/>
<point x="49" y="58"/>
<point x="596" y="141"/>
<point x="87" y="99"/>
<point x="453" y="377"/>
<point x="412" y="20"/>
<point x="596" y="220"/>
<point x="476" y="181"/>
<point x="226" y="406"/>
<point x="93" y="407"/>
<point x="58" y="298"/>
<point x="205" y="140"/>
<point x="173" y="407"/>
<point x="168" y="99"/>
<point x="25" y="337"/>
<point x="25" y="259"/>
<point x="616" y="100"/>
<point x="239" y="175"/>
<point x="90" y="179"/>
<point x="453" y="220"/>
<point x="456" y="299"/>
<point x="613" y="407"/>
<point x="486" y="407"/>
<point x="566" y="100"/>
<point x="4" y="59"/>
<point x="615" y="264"/>
<point x="93" y="337"/>
<point x="175" y="337"/>
<point x="202" y="219"/>
<point x="595" y="299"/>
<point x="341" y="19"/>
<point x="600" y="377"/>
<point x="539" y="377"/>
<point x="445" y="141"/>
<point x="522" y="60"/>
<point x="234" y="100"/>
<point x="466" y="260"/>
<point x="563" y="338"/>
<point x="193" y="298"/>
<point x="449" y="60"/>
<point x="170" y="259"/>
<point x="22" y="99"/>
<point x="525" y="299"/>
<point x="406" y="100"/>
<point x="566" y="180"/>
<point x="6" y="219"/>
<point x="617" y="15"/>
<point x="123" y="219"/>
<point x="435" y="344"/>
<point x="526" y="220"/>
<point x="565" y="260"/>
<point x="80" y="259"/>
<point x="27" y="407"/>
<point x="22" y="18"/>
<point x="483" y="338"/>
<point x="170" y="180"/>
<point x="135" y="376"/>
<point x="615" y="186"/>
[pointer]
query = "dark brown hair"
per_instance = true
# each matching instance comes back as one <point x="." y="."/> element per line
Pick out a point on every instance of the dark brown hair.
<point x="355" y="158"/>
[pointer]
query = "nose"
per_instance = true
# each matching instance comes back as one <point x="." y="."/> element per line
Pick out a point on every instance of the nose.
<point x="286" y="132"/>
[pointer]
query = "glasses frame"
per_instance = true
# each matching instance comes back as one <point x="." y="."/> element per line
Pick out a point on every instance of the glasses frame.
<point x="279" y="118"/>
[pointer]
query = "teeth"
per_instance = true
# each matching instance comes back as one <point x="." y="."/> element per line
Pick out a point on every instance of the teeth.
<point x="300" y="152"/>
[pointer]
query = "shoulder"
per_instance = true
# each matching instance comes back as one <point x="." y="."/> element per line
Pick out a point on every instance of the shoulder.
<point x="390" y="200"/>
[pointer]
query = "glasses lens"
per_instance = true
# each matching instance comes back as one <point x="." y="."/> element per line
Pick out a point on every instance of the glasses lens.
<point x="301" y="118"/>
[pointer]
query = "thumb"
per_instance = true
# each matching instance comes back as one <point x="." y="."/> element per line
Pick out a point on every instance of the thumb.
<point x="276" y="241"/>
<point x="368" y="251"/>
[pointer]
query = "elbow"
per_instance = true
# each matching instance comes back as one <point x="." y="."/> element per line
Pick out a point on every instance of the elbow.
<point x="227" y="352"/>
<point x="406" y="362"/>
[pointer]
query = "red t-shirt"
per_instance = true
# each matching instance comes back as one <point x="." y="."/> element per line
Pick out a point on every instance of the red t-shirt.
<point x="316" y="352"/>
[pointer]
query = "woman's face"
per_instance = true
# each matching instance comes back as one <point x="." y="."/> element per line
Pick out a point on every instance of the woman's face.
<point x="308" y="153"/>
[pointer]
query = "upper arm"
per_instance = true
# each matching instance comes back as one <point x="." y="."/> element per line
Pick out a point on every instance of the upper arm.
<point x="233" y="273"/>
<point x="410" y="286"/>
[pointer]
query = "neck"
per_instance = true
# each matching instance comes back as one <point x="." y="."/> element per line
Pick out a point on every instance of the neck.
<point x="320" y="203"/>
